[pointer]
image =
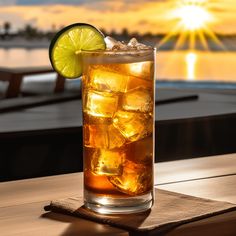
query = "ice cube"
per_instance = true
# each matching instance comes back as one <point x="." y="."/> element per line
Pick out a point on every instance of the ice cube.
<point x="133" y="125"/>
<point x="118" y="77"/>
<point x="133" y="42"/>
<point x="135" y="180"/>
<point x="108" y="162"/>
<point x="110" y="42"/>
<point x="143" y="70"/>
<point x="102" y="136"/>
<point x="141" y="151"/>
<point x="141" y="46"/>
<point x="135" y="82"/>
<point x="120" y="46"/>
<point x="113" y="44"/>
<point x="100" y="104"/>
<point x="139" y="99"/>
<point x="102" y="79"/>
<point x="92" y="120"/>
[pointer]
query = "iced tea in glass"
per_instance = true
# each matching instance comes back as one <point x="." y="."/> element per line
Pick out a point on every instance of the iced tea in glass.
<point x="118" y="130"/>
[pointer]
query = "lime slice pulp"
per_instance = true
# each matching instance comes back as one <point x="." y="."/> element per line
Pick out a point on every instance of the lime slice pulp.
<point x="66" y="47"/>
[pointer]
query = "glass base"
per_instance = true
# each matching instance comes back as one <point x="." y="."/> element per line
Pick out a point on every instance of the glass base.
<point x="117" y="205"/>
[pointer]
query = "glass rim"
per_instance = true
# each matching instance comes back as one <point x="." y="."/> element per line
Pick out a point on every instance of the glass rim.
<point x="119" y="52"/>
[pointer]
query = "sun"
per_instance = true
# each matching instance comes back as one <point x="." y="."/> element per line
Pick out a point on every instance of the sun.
<point x="192" y="16"/>
<point x="192" y="21"/>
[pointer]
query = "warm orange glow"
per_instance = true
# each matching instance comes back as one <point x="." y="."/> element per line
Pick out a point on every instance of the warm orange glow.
<point x="193" y="22"/>
<point x="143" y="16"/>
<point x="190" y="60"/>
<point x="193" y="16"/>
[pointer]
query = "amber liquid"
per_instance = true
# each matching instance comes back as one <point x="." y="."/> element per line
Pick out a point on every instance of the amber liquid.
<point x="118" y="108"/>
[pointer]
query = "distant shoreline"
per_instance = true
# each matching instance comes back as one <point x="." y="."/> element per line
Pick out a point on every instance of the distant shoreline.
<point x="23" y="43"/>
<point x="230" y="45"/>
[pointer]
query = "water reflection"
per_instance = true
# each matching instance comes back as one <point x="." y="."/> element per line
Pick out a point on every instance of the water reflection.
<point x="171" y="65"/>
<point x="20" y="57"/>
<point x="190" y="60"/>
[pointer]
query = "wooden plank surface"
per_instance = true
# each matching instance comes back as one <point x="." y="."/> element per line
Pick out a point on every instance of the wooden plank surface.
<point x="52" y="187"/>
<point x="40" y="189"/>
<point x="26" y="70"/>
<point x="218" y="188"/>
<point x="197" y="168"/>
<point x="62" y="115"/>
<point x="39" y="118"/>
<point x="30" y="219"/>
<point x="19" y="104"/>
<point x="21" y="209"/>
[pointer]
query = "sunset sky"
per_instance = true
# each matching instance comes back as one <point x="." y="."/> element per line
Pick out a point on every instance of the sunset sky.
<point x="156" y="16"/>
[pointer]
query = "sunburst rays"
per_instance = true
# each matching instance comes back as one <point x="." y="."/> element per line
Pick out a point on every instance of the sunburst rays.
<point x="193" y="19"/>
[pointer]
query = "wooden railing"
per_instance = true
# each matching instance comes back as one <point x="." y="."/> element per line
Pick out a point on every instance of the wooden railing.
<point x="15" y="77"/>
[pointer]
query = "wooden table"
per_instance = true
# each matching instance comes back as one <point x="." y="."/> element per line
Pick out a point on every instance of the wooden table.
<point x="15" y="76"/>
<point x="22" y="202"/>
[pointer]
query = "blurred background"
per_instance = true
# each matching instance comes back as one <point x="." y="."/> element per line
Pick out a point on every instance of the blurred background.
<point x="196" y="39"/>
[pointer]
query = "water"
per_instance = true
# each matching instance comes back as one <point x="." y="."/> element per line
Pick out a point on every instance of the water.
<point x="196" y="66"/>
<point x="20" y="57"/>
<point x="171" y="65"/>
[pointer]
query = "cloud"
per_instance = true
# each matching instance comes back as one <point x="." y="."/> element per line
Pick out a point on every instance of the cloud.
<point x="45" y="2"/>
<point x="74" y="2"/>
<point x="7" y="2"/>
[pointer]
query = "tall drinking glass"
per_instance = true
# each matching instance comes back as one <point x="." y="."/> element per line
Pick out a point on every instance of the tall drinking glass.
<point x="118" y="130"/>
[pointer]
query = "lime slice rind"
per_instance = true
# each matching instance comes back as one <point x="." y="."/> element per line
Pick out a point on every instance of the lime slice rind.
<point x="65" y="48"/>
